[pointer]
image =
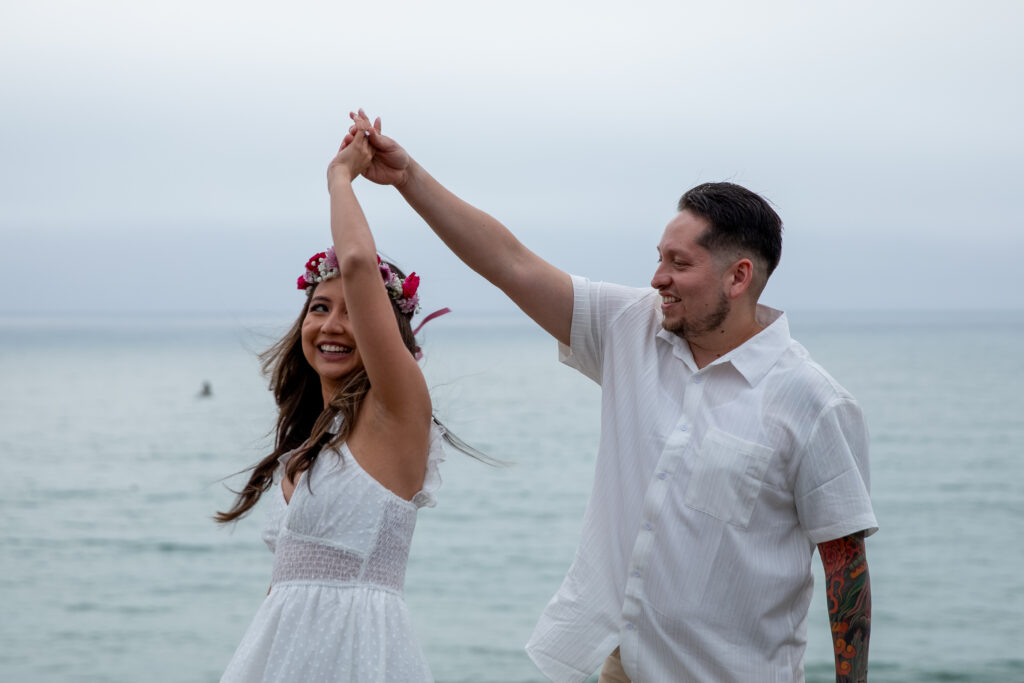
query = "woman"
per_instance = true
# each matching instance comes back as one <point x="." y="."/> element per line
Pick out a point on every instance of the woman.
<point x="356" y="455"/>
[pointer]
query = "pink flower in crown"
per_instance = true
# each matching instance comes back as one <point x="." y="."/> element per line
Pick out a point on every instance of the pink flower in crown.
<point x="409" y="306"/>
<point x="331" y="259"/>
<point x="302" y="282"/>
<point x="391" y="281"/>
<point x="411" y="284"/>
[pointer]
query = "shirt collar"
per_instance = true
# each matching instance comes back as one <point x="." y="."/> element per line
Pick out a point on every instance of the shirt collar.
<point x="680" y="349"/>
<point x="754" y="357"/>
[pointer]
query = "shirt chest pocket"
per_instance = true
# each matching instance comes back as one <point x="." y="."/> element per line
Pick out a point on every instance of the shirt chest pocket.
<point x="727" y="477"/>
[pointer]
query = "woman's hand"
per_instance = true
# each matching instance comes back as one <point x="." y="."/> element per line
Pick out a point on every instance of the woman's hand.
<point x="390" y="162"/>
<point x="353" y="157"/>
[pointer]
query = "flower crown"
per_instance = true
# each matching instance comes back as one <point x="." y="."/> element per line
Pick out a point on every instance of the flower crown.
<point x="324" y="266"/>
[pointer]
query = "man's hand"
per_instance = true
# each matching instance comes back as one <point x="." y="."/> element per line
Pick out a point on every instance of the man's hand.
<point x="390" y="163"/>
<point x="849" y="604"/>
<point x="544" y="292"/>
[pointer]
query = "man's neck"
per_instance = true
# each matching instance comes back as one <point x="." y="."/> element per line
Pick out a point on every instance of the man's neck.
<point x="733" y="333"/>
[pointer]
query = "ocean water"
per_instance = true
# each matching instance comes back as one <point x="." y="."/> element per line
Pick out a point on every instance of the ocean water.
<point x="111" y="569"/>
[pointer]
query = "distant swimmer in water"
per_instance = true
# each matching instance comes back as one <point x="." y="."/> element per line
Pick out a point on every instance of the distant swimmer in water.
<point x="206" y="391"/>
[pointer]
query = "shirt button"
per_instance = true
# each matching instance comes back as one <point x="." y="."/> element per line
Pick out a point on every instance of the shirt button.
<point x="636" y="573"/>
<point x="697" y="379"/>
<point x="662" y="475"/>
<point x="683" y="427"/>
<point x="648" y="526"/>
<point x="630" y="626"/>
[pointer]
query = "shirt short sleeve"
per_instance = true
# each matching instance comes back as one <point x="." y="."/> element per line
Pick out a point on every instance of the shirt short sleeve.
<point x="595" y="307"/>
<point x="832" y="483"/>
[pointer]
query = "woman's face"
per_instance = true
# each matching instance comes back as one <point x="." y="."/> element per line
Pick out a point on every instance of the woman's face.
<point x="327" y="339"/>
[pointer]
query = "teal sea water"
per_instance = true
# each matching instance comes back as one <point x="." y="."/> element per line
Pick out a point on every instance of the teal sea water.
<point x="111" y="570"/>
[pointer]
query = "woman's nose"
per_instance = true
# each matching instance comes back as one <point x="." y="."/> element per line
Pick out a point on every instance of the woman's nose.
<point x="334" y="323"/>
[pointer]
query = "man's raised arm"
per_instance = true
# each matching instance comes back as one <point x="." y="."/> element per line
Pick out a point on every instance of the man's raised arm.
<point x="540" y="289"/>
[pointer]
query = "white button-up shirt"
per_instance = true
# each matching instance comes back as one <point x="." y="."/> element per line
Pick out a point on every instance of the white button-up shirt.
<point x="712" y="488"/>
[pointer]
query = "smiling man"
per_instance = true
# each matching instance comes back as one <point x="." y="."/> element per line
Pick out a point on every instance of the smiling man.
<point x="727" y="454"/>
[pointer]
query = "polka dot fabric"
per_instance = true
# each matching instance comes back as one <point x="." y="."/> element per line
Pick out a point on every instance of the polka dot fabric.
<point x="335" y="611"/>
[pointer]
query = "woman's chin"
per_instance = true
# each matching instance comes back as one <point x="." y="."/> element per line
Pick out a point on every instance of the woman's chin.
<point x="336" y="371"/>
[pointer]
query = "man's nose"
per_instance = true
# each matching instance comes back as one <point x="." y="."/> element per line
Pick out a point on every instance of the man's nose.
<point x="660" y="279"/>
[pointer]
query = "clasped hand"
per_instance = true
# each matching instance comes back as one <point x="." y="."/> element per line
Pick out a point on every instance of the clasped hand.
<point x="354" y="155"/>
<point x="377" y="157"/>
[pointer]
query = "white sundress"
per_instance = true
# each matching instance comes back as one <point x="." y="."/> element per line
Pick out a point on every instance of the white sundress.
<point x="335" y="610"/>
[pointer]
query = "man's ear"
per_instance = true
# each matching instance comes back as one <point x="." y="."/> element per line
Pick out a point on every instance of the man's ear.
<point x="739" y="277"/>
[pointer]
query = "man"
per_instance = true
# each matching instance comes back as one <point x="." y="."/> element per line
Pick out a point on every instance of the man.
<point x="726" y="453"/>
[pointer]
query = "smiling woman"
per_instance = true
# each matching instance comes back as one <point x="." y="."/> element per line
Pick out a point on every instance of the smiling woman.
<point x="355" y="423"/>
<point x="327" y="341"/>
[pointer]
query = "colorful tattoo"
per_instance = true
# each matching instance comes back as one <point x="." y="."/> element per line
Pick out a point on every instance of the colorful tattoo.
<point x="849" y="605"/>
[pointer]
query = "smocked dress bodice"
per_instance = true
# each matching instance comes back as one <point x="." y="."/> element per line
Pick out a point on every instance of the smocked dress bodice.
<point x="335" y="610"/>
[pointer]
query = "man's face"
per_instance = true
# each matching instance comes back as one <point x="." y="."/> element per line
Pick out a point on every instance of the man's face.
<point x="691" y="284"/>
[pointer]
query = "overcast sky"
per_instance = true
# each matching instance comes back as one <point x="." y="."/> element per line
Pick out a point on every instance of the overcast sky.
<point x="165" y="157"/>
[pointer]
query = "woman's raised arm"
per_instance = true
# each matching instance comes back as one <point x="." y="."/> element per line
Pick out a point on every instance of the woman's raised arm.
<point x="396" y="378"/>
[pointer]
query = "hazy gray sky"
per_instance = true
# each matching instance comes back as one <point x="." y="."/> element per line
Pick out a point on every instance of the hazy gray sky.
<point x="171" y="156"/>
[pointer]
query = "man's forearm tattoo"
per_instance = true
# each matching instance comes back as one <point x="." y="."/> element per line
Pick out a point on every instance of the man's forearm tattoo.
<point x="849" y="605"/>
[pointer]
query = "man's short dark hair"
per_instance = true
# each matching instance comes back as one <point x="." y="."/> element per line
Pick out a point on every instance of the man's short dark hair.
<point x="740" y="221"/>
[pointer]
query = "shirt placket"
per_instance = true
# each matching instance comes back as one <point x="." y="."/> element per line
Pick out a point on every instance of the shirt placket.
<point x="651" y="529"/>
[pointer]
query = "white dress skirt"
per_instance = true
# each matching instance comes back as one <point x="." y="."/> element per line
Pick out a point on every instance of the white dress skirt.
<point x="335" y="610"/>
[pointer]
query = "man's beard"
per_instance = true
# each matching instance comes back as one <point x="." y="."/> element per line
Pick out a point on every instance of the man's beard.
<point x="709" y="323"/>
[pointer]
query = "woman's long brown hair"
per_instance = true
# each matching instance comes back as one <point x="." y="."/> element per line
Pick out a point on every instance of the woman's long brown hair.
<point x="302" y="419"/>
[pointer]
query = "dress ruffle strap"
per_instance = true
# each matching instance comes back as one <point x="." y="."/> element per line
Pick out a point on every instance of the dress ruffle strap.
<point x="435" y="456"/>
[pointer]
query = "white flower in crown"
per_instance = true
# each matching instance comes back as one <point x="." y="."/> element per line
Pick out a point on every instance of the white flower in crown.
<point x="391" y="281"/>
<point x="324" y="266"/>
<point x="321" y="266"/>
